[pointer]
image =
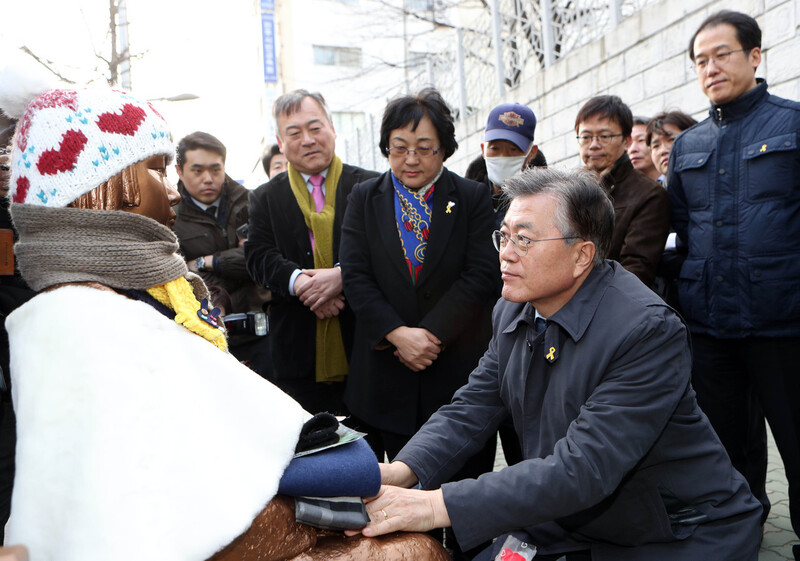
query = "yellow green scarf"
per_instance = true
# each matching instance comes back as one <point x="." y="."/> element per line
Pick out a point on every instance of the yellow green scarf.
<point x="331" y="361"/>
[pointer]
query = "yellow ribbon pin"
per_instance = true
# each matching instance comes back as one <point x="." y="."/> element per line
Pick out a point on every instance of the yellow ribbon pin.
<point x="763" y="148"/>
<point x="551" y="355"/>
<point x="450" y="205"/>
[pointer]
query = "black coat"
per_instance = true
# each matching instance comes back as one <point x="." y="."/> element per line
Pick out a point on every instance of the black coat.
<point x="277" y="244"/>
<point x="453" y="298"/>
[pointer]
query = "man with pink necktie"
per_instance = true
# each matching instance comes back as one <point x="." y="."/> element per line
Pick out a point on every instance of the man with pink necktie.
<point x="293" y="247"/>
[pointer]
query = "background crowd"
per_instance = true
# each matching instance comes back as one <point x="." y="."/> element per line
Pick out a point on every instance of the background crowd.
<point x="379" y="288"/>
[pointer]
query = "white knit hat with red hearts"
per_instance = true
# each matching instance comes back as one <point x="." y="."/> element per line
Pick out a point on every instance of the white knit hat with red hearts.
<point x="69" y="141"/>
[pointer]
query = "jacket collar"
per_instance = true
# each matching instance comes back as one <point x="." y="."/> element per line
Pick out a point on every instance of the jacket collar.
<point x="231" y="192"/>
<point x="740" y="106"/>
<point x="188" y="202"/>
<point x="574" y="317"/>
<point x="618" y="172"/>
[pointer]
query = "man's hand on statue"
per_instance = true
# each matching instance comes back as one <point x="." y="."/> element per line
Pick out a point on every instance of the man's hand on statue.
<point x="404" y="510"/>
<point x="397" y="474"/>
<point x="417" y="348"/>
<point x="324" y="284"/>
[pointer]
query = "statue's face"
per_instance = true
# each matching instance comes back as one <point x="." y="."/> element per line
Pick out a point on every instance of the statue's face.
<point x="157" y="196"/>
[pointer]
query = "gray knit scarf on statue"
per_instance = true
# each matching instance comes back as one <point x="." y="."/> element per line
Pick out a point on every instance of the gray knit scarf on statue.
<point x="118" y="249"/>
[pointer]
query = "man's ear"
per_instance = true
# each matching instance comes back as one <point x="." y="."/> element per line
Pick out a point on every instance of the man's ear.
<point x="584" y="257"/>
<point x="180" y="172"/>
<point x="755" y="57"/>
<point x="627" y="142"/>
<point x="280" y="142"/>
<point x="531" y="155"/>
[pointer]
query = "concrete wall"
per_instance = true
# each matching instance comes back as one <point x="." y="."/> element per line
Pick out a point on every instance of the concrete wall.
<point x="644" y="61"/>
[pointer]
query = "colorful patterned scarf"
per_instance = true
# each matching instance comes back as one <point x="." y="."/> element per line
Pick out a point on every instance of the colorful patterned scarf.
<point x="412" y="210"/>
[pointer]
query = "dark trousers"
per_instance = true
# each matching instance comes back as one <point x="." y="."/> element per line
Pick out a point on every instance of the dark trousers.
<point x="739" y="382"/>
<point x="254" y="352"/>
<point x="390" y="443"/>
<point x="315" y="397"/>
<point x="8" y="440"/>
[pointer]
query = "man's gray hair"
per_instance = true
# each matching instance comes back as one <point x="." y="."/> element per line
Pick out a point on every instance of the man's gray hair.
<point x="290" y="102"/>
<point x="582" y="207"/>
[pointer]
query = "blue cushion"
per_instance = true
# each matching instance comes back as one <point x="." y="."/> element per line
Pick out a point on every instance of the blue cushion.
<point x="347" y="470"/>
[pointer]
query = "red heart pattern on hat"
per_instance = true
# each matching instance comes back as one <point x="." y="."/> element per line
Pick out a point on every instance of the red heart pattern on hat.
<point x="23" y="184"/>
<point x="53" y="161"/>
<point x="53" y="98"/>
<point x="70" y="141"/>
<point x="127" y="122"/>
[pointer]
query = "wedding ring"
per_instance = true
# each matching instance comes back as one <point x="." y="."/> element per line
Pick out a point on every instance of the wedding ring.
<point x="385" y="516"/>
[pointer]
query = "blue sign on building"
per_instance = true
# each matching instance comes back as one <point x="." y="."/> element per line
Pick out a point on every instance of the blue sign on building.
<point x="268" y="38"/>
<point x="267" y="5"/>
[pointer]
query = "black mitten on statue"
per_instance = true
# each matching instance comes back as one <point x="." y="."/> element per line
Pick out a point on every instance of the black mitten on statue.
<point x="318" y="431"/>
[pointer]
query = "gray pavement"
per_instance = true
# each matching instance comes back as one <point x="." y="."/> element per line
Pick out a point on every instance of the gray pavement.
<point x="778" y="534"/>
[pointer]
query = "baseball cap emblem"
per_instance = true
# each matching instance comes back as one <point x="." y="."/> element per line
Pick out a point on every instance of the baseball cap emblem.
<point x="511" y="119"/>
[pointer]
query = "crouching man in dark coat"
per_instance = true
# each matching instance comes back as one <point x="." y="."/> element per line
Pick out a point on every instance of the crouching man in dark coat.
<point x="594" y="370"/>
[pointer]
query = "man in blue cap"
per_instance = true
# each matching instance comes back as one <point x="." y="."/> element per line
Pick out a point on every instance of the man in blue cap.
<point x="507" y="148"/>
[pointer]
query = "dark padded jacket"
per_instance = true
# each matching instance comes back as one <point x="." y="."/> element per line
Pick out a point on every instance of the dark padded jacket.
<point x="734" y="182"/>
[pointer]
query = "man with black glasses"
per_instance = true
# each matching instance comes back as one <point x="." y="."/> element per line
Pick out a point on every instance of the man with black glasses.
<point x="594" y="369"/>
<point x="641" y="206"/>
<point x="734" y="182"/>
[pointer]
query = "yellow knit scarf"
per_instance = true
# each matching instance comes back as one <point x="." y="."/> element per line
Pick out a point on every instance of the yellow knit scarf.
<point x="178" y="296"/>
<point x="331" y="361"/>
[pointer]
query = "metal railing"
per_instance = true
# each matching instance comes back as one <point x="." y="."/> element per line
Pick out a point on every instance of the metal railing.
<point x="497" y="50"/>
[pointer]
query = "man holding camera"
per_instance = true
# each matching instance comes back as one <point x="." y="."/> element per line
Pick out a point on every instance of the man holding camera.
<point x="211" y="226"/>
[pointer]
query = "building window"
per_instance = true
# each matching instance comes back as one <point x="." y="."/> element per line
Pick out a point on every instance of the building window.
<point x="337" y="56"/>
<point x="346" y="122"/>
<point x="417" y="60"/>
<point x="419" y="5"/>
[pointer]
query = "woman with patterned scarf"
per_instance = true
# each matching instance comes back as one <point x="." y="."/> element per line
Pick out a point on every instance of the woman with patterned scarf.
<point x="420" y="272"/>
<point x="139" y="435"/>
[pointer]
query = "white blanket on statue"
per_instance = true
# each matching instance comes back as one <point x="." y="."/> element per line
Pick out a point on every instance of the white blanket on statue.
<point x="137" y="439"/>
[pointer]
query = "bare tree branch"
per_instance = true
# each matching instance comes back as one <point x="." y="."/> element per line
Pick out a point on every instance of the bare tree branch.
<point x="46" y="64"/>
<point x="113" y="64"/>
<point x="432" y="19"/>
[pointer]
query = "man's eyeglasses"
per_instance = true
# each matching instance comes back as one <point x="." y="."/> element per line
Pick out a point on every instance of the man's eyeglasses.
<point x="421" y="151"/>
<point x="719" y="59"/>
<point x="602" y="139"/>
<point x="520" y="243"/>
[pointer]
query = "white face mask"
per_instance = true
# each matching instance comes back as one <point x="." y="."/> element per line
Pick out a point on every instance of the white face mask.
<point x="501" y="168"/>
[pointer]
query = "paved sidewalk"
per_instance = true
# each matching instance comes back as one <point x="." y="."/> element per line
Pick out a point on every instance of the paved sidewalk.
<point x="778" y="534"/>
